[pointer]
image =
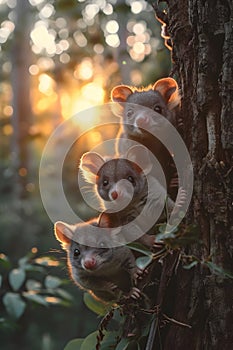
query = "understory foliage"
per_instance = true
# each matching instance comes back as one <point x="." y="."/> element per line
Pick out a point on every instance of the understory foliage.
<point x="29" y="282"/>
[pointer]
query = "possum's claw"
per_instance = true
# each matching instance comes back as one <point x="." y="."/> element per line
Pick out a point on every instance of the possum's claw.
<point x="135" y="293"/>
<point x="139" y="274"/>
<point x="174" y="182"/>
<point x="181" y="197"/>
<point x="112" y="286"/>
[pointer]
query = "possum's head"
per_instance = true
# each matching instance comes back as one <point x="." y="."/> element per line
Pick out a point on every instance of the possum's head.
<point x="87" y="249"/>
<point x="161" y="98"/>
<point x="118" y="179"/>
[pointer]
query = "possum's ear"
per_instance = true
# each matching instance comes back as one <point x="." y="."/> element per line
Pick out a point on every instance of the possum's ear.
<point x="140" y="155"/>
<point x="106" y="220"/>
<point x="90" y="164"/>
<point x="168" y="88"/>
<point x="63" y="232"/>
<point x="120" y="93"/>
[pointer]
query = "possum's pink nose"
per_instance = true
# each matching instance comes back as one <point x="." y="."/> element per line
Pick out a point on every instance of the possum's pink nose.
<point x="141" y="122"/>
<point x="90" y="263"/>
<point x="114" y="195"/>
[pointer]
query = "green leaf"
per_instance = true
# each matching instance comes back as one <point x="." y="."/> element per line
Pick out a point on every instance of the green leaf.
<point x="218" y="270"/>
<point x="23" y="261"/>
<point x="123" y="345"/>
<point x="162" y="228"/>
<point x="189" y="266"/>
<point x="163" y="236"/>
<point x="52" y="282"/>
<point x="4" y="261"/>
<point x="139" y="248"/>
<point x="107" y="343"/>
<point x="74" y="344"/>
<point x="89" y="342"/>
<point x="33" y="285"/>
<point x="17" y="278"/>
<point x="34" y="268"/>
<point x="14" y="305"/>
<point x="64" y="294"/>
<point x="35" y="298"/>
<point x="143" y="261"/>
<point x="95" y="305"/>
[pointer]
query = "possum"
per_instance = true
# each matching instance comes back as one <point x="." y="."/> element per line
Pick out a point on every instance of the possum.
<point x="127" y="188"/>
<point x="106" y="271"/>
<point x="140" y="114"/>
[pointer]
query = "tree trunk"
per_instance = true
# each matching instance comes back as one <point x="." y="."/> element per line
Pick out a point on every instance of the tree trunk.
<point x="22" y="113"/>
<point x="121" y="54"/>
<point x="202" y="37"/>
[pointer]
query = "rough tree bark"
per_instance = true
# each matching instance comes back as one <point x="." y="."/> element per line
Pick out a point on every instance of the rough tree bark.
<point x="202" y="38"/>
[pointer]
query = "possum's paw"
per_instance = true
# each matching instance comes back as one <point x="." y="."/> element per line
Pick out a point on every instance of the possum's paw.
<point x="180" y="123"/>
<point x="112" y="286"/>
<point x="181" y="197"/>
<point x="180" y="200"/>
<point x="174" y="183"/>
<point x="135" y="293"/>
<point x="140" y="273"/>
<point x="157" y="246"/>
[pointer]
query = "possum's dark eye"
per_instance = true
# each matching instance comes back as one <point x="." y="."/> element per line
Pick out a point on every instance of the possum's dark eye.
<point x="105" y="182"/>
<point x="76" y="252"/>
<point x="158" y="109"/>
<point x="131" y="179"/>
<point x="129" y="113"/>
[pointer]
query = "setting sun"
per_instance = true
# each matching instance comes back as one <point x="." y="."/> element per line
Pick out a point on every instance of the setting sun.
<point x="89" y="95"/>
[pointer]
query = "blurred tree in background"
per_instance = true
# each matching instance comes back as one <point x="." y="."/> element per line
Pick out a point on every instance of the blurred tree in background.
<point x="57" y="58"/>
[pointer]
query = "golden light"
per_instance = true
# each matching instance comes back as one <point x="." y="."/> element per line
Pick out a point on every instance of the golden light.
<point x="136" y="77"/>
<point x="99" y="49"/>
<point x="113" y="40"/>
<point x="42" y="39"/>
<point x="7" y="130"/>
<point x="35" y="2"/>
<point x="22" y="172"/>
<point x="93" y="92"/>
<point x="52" y="300"/>
<point x="66" y="105"/>
<point x="84" y="70"/>
<point x="47" y="10"/>
<point x="61" y="22"/>
<point x="139" y="28"/>
<point x="112" y="27"/>
<point x="91" y="11"/>
<point x="80" y="39"/>
<point x="96" y="137"/>
<point x="42" y="104"/>
<point x="90" y="95"/>
<point x="34" y="250"/>
<point x="136" y="7"/>
<point x="46" y="84"/>
<point x="108" y="9"/>
<point x="64" y="58"/>
<point x="46" y="261"/>
<point x="34" y="69"/>
<point x="8" y="111"/>
<point x="139" y="48"/>
<point x="30" y="187"/>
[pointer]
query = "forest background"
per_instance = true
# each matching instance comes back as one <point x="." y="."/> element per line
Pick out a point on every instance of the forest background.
<point x="57" y="59"/>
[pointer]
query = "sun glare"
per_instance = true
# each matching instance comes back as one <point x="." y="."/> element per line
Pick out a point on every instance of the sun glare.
<point x="85" y="70"/>
<point x="90" y="95"/>
<point x="46" y="84"/>
<point x="93" y="93"/>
